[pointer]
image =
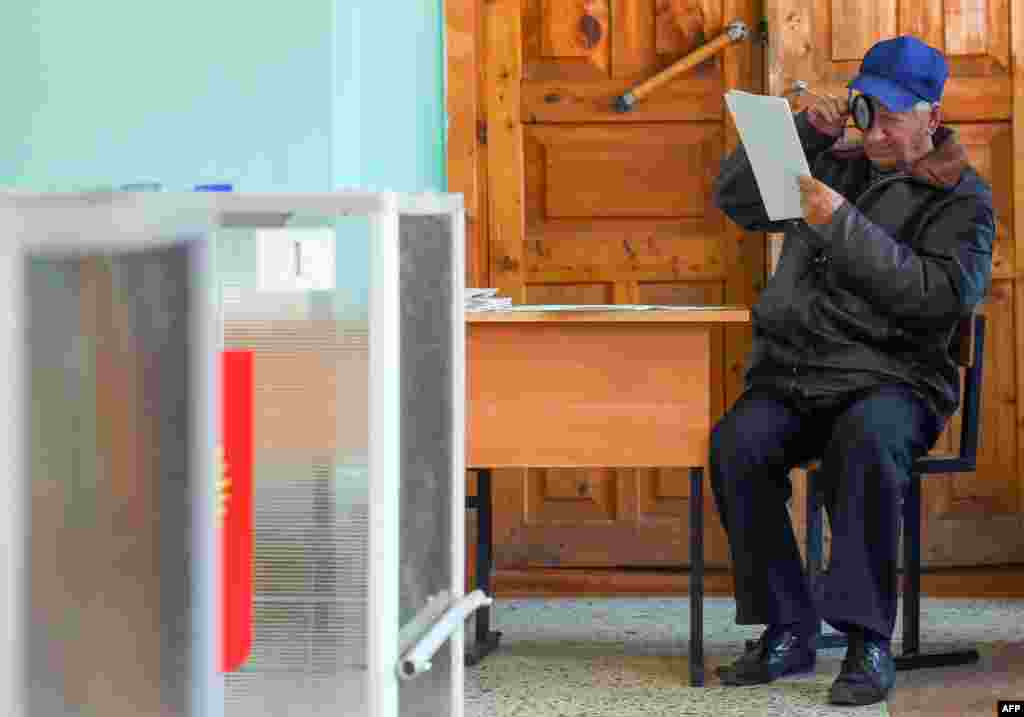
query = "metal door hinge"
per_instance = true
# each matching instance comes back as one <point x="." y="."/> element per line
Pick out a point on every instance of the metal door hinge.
<point x="762" y="31"/>
<point x="481" y="132"/>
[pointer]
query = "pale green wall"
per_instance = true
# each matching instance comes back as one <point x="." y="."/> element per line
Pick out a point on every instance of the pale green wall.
<point x="306" y="95"/>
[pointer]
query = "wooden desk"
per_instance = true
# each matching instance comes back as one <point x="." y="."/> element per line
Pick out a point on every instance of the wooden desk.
<point x="584" y="388"/>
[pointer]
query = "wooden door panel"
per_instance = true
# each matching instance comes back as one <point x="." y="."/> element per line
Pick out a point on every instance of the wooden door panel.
<point x="610" y="250"/>
<point x="990" y="151"/>
<point x="634" y="53"/>
<point x="621" y="202"/>
<point x="598" y="293"/>
<point x="504" y="71"/>
<point x="637" y="170"/>
<point x="822" y="43"/>
<point x="988" y="491"/>
<point x="579" y="55"/>
<point x="571" y="40"/>
<point x="856" y="26"/>
<point x="465" y="103"/>
<point x="977" y="32"/>
<point x="566" y="39"/>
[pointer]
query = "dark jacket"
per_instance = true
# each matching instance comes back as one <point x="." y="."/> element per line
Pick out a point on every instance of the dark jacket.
<point x="874" y="296"/>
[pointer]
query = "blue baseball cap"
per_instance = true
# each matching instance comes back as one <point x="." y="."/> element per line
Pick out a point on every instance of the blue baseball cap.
<point x="901" y="72"/>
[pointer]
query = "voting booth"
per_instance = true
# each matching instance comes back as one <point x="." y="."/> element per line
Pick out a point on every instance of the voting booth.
<point x="235" y="444"/>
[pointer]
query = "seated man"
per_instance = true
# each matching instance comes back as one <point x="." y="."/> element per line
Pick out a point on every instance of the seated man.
<point x="850" y="362"/>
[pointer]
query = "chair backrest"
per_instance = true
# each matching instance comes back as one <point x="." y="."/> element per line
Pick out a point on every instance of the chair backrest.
<point x="968" y="350"/>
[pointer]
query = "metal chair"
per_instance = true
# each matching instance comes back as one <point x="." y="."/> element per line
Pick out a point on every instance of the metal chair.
<point x="968" y="349"/>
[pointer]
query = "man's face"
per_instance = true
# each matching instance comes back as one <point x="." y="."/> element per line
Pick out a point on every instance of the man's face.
<point x="899" y="138"/>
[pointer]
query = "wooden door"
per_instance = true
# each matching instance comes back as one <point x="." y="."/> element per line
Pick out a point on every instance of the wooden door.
<point x="970" y="519"/>
<point x="586" y="205"/>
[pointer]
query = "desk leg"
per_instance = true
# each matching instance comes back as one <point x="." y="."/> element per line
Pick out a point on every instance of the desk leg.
<point x="486" y="640"/>
<point x="696" y="577"/>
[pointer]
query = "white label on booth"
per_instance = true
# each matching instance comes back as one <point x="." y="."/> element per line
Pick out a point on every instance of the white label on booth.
<point x="296" y="259"/>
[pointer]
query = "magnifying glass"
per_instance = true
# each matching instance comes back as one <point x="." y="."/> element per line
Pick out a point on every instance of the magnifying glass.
<point x="863" y="108"/>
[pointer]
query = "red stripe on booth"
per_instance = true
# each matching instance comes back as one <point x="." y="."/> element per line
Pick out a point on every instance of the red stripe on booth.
<point x="237" y="508"/>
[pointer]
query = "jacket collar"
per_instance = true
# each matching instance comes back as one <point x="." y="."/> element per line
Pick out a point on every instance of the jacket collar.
<point x="942" y="167"/>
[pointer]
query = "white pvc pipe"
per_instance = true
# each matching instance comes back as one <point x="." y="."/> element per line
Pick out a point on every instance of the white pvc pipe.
<point x="413" y="630"/>
<point x="417" y="660"/>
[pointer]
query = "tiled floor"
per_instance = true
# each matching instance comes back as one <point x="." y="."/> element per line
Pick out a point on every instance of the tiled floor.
<point x="968" y="690"/>
<point x="621" y="657"/>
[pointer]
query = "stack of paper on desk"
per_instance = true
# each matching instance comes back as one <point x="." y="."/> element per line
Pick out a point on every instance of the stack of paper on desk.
<point x="486" y="300"/>
<point x="530" y="308"/>
<point x="769" y="135"/>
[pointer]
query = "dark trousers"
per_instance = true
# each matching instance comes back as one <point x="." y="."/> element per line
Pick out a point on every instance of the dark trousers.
<point x="867" y="445"/>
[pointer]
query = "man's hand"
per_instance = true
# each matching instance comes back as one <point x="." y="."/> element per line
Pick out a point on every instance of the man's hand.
<point x="828" y="114"/>
<point x="818" y="200"/>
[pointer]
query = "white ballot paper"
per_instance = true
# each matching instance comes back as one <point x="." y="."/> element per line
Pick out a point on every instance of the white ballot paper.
<point x="768" y="132"/>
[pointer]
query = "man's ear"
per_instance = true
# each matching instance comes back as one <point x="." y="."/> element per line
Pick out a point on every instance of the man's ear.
<point x="934" y="118"/>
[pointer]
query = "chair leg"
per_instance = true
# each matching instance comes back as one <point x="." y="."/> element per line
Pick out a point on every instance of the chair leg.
<point x="911" y="657"/>
<point x="912" y="567"/>
<point x="815" y="536"/>
<point x="486" y="639"/>
<point x="814" y="540"/>
<point x="696" y="577"/>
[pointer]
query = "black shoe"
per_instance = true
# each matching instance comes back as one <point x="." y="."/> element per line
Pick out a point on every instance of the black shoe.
<point x="779" y="652"/>
<point x="868" y="672"/>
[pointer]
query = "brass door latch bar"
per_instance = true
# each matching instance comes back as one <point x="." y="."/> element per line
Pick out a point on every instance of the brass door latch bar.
<point x="734" y="32"/>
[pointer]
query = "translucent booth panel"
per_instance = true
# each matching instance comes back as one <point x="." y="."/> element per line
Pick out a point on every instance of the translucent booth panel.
<point x="309" y="336"/>
<point x="110" y="449"/>
<point x="109" y="619"/>
<point x="428" y="445"/>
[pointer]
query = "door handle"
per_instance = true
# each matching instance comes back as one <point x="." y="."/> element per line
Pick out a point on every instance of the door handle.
<point x="734" y="32"/>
